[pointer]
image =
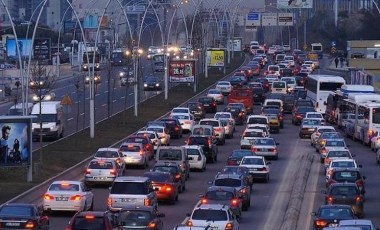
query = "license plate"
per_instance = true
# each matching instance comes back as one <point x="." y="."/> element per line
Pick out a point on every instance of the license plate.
<point x="333" y="225"/>
<point x="12" y="224"/>
<point x="206" y="105"/>
<point x="61" y="198"/>
<point x="99" y="178"/>
<point x="126" y="200"/>
<point x="253" y="169"/>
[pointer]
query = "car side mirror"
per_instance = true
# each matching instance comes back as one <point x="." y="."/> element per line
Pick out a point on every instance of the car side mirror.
<point x="360" y="166"/>
<point x="268" y="163"/>
<point x="277" y="143"/>
<point x="348" y="146"/>
<point x="313" y="214"/>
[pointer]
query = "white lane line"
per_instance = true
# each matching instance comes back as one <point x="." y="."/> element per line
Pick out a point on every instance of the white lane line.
<point x="97" y="95"/>
<point x="114" y="101"/>
<point x="131" y="94"/>
<point x="122" y="97"/>
<point x="71" y="118"/>
<point x="106" y="91"/>
<point x="104" y="104"/>
<point x="81" y="114"/>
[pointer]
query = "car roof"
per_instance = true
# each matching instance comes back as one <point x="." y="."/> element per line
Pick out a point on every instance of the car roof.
<point x="355" y="221"/>
<point x="108" y="149"/>
<point x="335" y="206"/>
<point x="221" y="207"/>
<point x="66" y="181"/>
<point x="90" y="213"/>
<point x="166" y="163"/>
<point x="227" y="175"/>
<point x="221" y="188"/>
<point x="131" y="179"/>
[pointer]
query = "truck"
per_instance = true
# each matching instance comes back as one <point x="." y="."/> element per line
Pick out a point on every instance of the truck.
<point x="91" y="59"/>
<point x="119" y="57"/>
<point x="242" y="95"/>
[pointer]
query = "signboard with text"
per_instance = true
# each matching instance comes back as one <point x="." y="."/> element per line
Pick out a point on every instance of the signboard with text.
<point x="253" y="19"/>
<point x="41" y="49"/>
<point x="269" y="19"/>
<point x="215" y="58"/>
<point x="285" y="19"/>
<point x="181" y="71"/>
<point x="294" y="4"/>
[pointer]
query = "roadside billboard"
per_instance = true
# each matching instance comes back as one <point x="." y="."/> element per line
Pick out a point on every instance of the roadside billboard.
<point x="294" y="4"/>
<point x="15" y="141"/>
<point x="41" y="49"/>
<point x="235" y="44"/>
<point x="215" y="58"/>
<point x="181" y="71"/>
<point x="24" y="45"/>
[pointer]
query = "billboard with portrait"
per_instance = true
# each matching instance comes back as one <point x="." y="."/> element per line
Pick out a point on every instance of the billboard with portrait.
<point x="294" y="4"/>
<point x="15" y="141"/>
<point x="215" y="58"/>
<point x="182" y="71"/>
<point x="25" y="47"/>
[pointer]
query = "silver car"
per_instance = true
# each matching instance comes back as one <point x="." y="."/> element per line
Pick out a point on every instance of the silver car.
<point x="229" y="126"/>
<point x="101" y="171"/>
<point x="266" y="147"/>
<point x="134" y="154"/>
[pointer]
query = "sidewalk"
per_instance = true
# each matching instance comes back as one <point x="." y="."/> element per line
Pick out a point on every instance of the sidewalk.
<point x="340" y="68"/>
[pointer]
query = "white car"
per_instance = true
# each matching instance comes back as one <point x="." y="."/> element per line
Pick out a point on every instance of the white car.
<point x="220" y="133"/>
<point x="224" y="86"/>
<point x="153" y="136"/>
<point x="273" y="69"/>
<point x="217" y="95"/>
<point x="308" y="67"/>
<point x="375" y="142"/>
<point x="180" y="110"/>
<point x="110" y="154"/>
<point x="340" y="163"/>
<point x="258" y="167"/>
<point x="316" y="115"/>
<point x="263" y="127"/>
<point x="271" y="50"/>
<point x="162" y="132"/>
<point x="266" y="147"/>
<point x="229" y="126"/>
<point x="331" y="145"/>
<point x="224" y="115"/>
<point x="290" y="83"/>
<point x="135" y="154"/>
<point x="68" y="196"/>
<point x="361" y="224"/>
<point x="197" y="158"/>
<point x="187" y="120"/>
<point x="248" y="137"/>
<point x="290" y="60"/>
<point x="337" y="154"/>
<point x="319" y="130"/>
<point x="311" y="63"/>
<point x="216" y="216"/>
<point x="271" y="78"/>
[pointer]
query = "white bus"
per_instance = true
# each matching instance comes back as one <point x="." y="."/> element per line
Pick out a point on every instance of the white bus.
<point x="318" y="88"/>
<point x="317" y="48"/>
<point x="365" y="106"/>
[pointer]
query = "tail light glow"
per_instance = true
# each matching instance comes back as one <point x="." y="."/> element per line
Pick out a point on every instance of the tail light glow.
<point x="109" y="202"/>
<point x="152" y="225"/>
<point x="203" y="201"/>
<point x="235" y="202"/>
<point x="76" y="198"/>
<point x="30" y="224"/>
<point x="359" y="199"/>
<point x="229" y="226"/>
<point x="321" y="223"/>
<point x="330" y="199"/>
<point x="113" y="172"/>
<point x="48" y="197"/>
<point x="147" y="202"/>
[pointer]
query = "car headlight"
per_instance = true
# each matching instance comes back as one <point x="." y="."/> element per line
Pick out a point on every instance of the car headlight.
<point x="84" y="67"/>
<point x="121" y="74"/>
<point x="35" y="98"/>
<point x="41" y="82"/>
<point x="87" y="79"/>
<point x="48" y="97"/>
<point x="157" y="85"/>
<point x="145" y="85"/>
<point x="31" y="83"/>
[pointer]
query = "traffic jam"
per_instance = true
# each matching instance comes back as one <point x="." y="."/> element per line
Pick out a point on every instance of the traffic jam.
<point x="277" y="87"/>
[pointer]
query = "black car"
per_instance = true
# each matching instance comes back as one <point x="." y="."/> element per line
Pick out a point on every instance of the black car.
<point x="299" y="113"/>
<point x="303" y="102"/>
<point x="175" y="170"/>
<point x="239" y="170"/>
<point x="300" y="80"/>
<point x="346" y="193"/>
<point x="237" y="155"/>
<point x="286" y="72"/>
<point x="197" y="109"/>
<point x="152" y="83"/>
<point x="288" y="103"/>
<point x="23" y="216"/>
<point x="209" y="104"/>
<point x="258" y="95"/>
<point x="330" y="215"/>
<point x="300" y="93"/>
<point x="236" y="113"/>
<point x="174" y="126"/>
<point x="140" y="217"/>
<point x="265" y="83"/>
<point x="208" y="144"/>
<point x="93" y="220"/>
<point x="238" y="81"/>
<point x="350" y="175"/>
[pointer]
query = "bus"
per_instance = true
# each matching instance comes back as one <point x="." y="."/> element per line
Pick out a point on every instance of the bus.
<point x="336" y="105"/>
<point x="158" y="62"/>
<point x="91" y="59"/>
<point x="118" y="57"/>
<point x="318" y="88"/>
<point x="318" y="49"/>
<point x="366" y="106"/>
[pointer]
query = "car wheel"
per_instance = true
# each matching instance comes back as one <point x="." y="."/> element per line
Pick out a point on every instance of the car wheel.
<point x="211" y="159"/>
<point x="267" y="179"/>
<point x="176" y="197"/>
<point x="203" y="168"/>
<point x="215" y="158"/>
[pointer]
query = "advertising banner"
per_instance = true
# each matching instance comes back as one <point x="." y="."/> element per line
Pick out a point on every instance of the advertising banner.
<point x="215" y="58"/>
<point x="41" y="49"/>
<point x="181" y="71"/>
<point x="294" y="4"/>
<point x="15" y="141"/>
<point x="235" y="44"/>
<point x="24" y="45"/>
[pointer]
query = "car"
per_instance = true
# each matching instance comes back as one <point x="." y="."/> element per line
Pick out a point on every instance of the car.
<point x="239" y="170"/>
<point x="288" y="103"/>
<point x="273" y="69"/>
<point x="258" y="94"/>
<point x="148" y="145"/>
<point x="330" y="215"/>
<point x="206" y="130"/>
<point x="197" y="110"/>
<point x="225" y="196"/>
<point x="110" y="154"/>
<point x="163" y="132"/>
<point x="46" y="95"/>
<point x="39" y="83"/>
<point x="303" y="102"/>
<point x="174" y="154"/>
<point x="237" y="114"/>
<point x="361" y="224"/>
<point x="175" y="170"/>
<point x="316" y="115"/>
<point x="299" y="113"/>
<point x="218" y="128"/>
<point x="97" y="79"/>
<point x="152" y="83"/>
<point x="68" y="196"/>
<point x="258" y="167"/>
<point x="153" y="136"/>
<point x="174" y="126"/>
<point x="351" y="175"/>
<point x="324" y="136"/>
<point x="208" y="145"/>
<point x="23" y="216"/>
<point x="99" y="171"/>
<point x="274" y="122"/>
<point x="166" y="186"/>
<point x="308" y="126"/>
<point x="180" y="110"/>
<point x="263" y="127"/>
<point x="209" y="104"/>
<point x="248" y="137"/>
<point x="134" y="154"/>
<point x="266" y="147"/>
<point x="239" y="105"/>
<point x="258" y="119"/>
<point x="216" y="216"/>
<point x="237" y="181"/>
<point x="237" y="155"/>
<point x="300" y="81"/>
<point x="185" y="119"/>
<point x="346" y="193"/>
<point x="223" y="115"/>
<point x="93" y="220"/>
<point x="274" y="102"/>
<point x="264" y="82"/>
<point x="334" y="154"/>
<point x="140" y="217"/>
<point x="340" y="163"/>
<point x="131" y="190"/>
<point x="217" y="95"/>
<point x="224" y="86"/>
<point x="290" y="83"/>
<point x="229" y="126"/>
<point x="197" y="158"/>
<point x="330" y="145"/>
<point x="318" y="131"/>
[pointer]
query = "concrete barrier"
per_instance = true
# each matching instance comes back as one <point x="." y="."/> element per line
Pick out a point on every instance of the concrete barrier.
<point x="296" y="197"/>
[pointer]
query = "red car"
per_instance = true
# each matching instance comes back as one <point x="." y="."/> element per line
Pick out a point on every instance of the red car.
<point x="167" y="188"/>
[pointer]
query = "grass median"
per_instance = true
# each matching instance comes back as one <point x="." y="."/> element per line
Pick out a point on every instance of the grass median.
<point x="67" y="152"/>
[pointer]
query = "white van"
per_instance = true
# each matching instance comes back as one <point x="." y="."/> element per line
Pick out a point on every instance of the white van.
<point x="279" y="87"/>
<point x="52" y="117"/>
<point x="16" y="110"/>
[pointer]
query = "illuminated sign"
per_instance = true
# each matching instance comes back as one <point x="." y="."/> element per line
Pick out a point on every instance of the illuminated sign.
<point x="181" y="71"/>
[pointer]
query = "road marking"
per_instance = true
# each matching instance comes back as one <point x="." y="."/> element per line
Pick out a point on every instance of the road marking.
<point x="122" y="97"/>
<point x="131" y="94"/>
<point x="81" y="114"/>
<point x="97" y="95"/>
<point x="114" y="101"/>
<point x="70" y="119"/>
<point x="104" y="104"/>
<point x="106" y="91"/>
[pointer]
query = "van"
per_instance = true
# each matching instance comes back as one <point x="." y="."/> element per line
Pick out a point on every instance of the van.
<point x="176" y="154"/>
<point x="279" y="87"/>
<point x="51" y="117"/>
<point x="276" y="102"/>
<point x="16" y="110"/>
<point x="280" y="58"/>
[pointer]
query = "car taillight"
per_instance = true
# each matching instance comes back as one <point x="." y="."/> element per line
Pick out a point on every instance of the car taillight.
<point x="147" y="202"/>
<point x="167" y="188"/>
<point x="203" y="201"/>
<point x="218" y="129"/>
<point x="280" y="117"/>
<point x="243" y="191"/>
<point x="327" y="161"/>
<point x="299" y="116"/>
<point x="214" y="104"/>
<point x="254" y="149"/>
<point x="48" y="197"/>
<point x="235" y="202"/>
<point x="152" y="225"/>
<point x="118" y="161"/>
<point x="199" y="158"/>
<point x="76" y="197"/>
<point x="323" y="151"/>
<point x="320" y="223"/>
<point x="113" y="172"/>
<point x="360" y="183"/>
<point x="176" y="128"/>
<point x="231" y="162"/>
<point x="178" y="176"/>
<point x="109" y="201"/>
<point x="229" y="226"/>
<point x="359" y="199"/>
<point x="330" y="199"/>
<point x="209" y="142"/>
<point x="88" y="171"/>
<point x="275" y="150"/>
<point x="189" y="223"/>
<point x="264" y="169"/>
<point x="141" y="153"/>
<point x="30" y="224"/>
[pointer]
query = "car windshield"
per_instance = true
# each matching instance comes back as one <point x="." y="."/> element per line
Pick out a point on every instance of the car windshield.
<point x="335" y="144"/>
<point x="222" y="115"/>
<point x="129" y="188"/>
<point x="134" y="218"/>
<point x="219" y="195"/>
<point x="170" y="154"/>
<point x="151" y="79"/>
<point x="335" y="213"/>
<point x="64" y="187"/>
<point x="343" y="164"/>
<point x="106" y="154"/>
<point x="315" y="115"/>
<point x="212" y="123"/>
<point x="252" y="161"/>
<point x="149" y="135"/>
<point x="209" y="214"/>
<point x="339" y="154"/>
<point x="136" y="140"/>
<point x="349" y="176"/>
<point x="100" y="165"/>
<point x="158" y="177"/>
<point x="311" y="122"/>
<point x="205" y="100"/>
<point x="44" y="118"/>
<point x="264" y="141"/>
<point x="179" y="110"/>
<point x="130" y="148"/>
<point x="181" y="117"/>
<point x="257" y="120"/>
<point x="360" y="226"/>
<point x="155" y="129"/>
<point x="201" y="131"/>
<point x="273" y="68"/>
<point x="163" y="168"/>
<point x="89" y="223"/>
<point x="14" y="211"/>
<point x="277" y="84"/>
<point x="224" y="83"/>
<point x="193" y="152"/>
<point x="228" y="182"/>
<point x="213" y="91"/>
<point x="344" y="191"/>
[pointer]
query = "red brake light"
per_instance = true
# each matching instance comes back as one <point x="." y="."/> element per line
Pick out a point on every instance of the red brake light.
<point x="330" y="199"/>
<point x="229" y="226"/>
<point x="141" y="153"/>
<point x="254" y="149"/>
<point x="48" y="197"/>
<point x="321" y="223"/>
<point x="89" y="217"/>
<point x="76" y="197"/>
<point x="235" y="202"/>
<point x="88" y="171"/>
<point x="360" y="183"/>
<point x="152" y="225"/>
<point x="30" y="224"/>
<point x="218" y="129"/>
<point x="178" y="176"/>
<point x="323" y="150"/>
<point x="359" y="199"/>
<point x="113" y="172"/>
<point x="189" y="223"/>
<point x="147" y="202"/>
<point x="204" y="201"/>
<point x="109" y="202"/>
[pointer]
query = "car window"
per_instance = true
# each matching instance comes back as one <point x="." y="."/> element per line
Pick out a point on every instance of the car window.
<point x="349" y="176"/>
<point x="89" y="222"/>
<point x="264" y="141"/>
<point x="170" y="154"/>
<point x="344" y="191"/>
<point x="130" y="148"/>
<point x="159" y="177"/>
<point x="193" y="152"/>
<point x="343" y="164"/>
<point x="335" y="143"/>
<point x="198" y="141"/>
<point x="311" y="122"/>
<point x="181" y="117"/>
<point x="219" y="195"/>
<point x="207" y="214"/>
<point x="134" y="218"/>
<point x="16" y="211"/>
<point x="253" y="133"/>
<point x="100" y="165"/>
<point x="241" y="153"/>
<point x="257" y="120"/>
<point x="338" y="154"/>
<point x="129" y="188"/>
<point x="338" y="213"/>
<point x="314" y="115"/>
<point x="106" y="154"/>
<point x="212" y="123"/>
<point x="277" y="84"/>
<point x="169" y="169"/>
<point x="252" y="161"/>
<point x="64" y="187"/>
<point x="201" y="131"/>
<point x="229" y="182"/>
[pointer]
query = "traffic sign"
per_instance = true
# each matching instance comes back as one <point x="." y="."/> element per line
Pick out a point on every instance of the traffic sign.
<point x="253" y="19"/>
<point x="66" y="100"/>
<point x="285" y="19"/>
<point x="251" y="28"/>
<point x="138" y="9"/>
<point x="269" y="19"/>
